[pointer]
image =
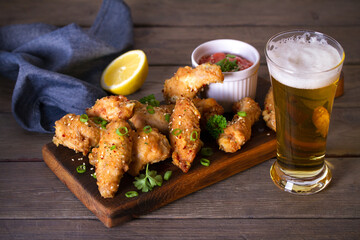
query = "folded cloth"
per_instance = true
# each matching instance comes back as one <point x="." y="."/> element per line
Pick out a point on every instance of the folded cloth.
<point x="57" y="70"/>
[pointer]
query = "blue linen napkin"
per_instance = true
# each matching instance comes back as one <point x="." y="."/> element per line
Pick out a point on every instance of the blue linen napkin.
<point x="57" y="70"/>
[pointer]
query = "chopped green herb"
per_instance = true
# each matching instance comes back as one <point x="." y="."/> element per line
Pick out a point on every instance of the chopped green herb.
<point x="176" y="131"/>
<point x="215" y="125"/>
<point x="192" y="137"/>
<point x="167" y="175"/>
<point x="146" y="182"/>
<point x="227" y="65"/>
<point x="241" y="114"/>
<point x="230" y="56"/>
<point x="131" y="194"/>
<point x="205" y="162"/>
<point x="113" y="147"/>
<point x="121" y="131"/>
<point x="81" y="169"/>
<point x="84" y="118"/>
<point x="147" y="129"/>
<point x="167" y="117"/>
<point x="150" y="109"/>
<point x="101" y="121"/>
<point x="150" y="100"/>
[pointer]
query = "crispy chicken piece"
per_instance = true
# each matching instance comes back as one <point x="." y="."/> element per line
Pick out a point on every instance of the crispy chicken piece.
<point x="150" y="146"/>
<point x="112" y="157"/>
<point x="207" y="108"/>
<point x="185" y="133"/>
<point x="188" y="81"/>
<point x="238" y="131"/>
<point x="74" y="134"/>
<point x="269" y="110"/>
<point x="156" y="117"/>
<point x="112" y="108"/>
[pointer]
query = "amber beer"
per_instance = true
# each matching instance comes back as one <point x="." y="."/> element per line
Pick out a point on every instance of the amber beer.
<point x="304" y="68"/>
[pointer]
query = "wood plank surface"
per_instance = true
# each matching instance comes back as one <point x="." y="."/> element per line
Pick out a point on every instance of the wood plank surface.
<point x="253" y="196"/>
<point x="202" y="229"/>
<point x="186" y="12"/>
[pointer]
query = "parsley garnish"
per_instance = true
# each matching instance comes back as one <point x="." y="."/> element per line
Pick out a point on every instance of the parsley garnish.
<point x="227" y="65"/>
<point x="146" y="182"/>
<point x="216" y="124"/>
<point x="150" y="100"/>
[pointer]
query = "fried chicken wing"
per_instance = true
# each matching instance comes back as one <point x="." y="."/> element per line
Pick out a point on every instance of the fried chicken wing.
<point x="112" y="157"/>
<point x="112" y="108"/>
<point x="188" y="81"/>
<point x="185" y="133"/>
<point x="238" y="131"/>
<point x="150" y="146"/>
<point x="207" y="108"/>
<point x="156" y="117"/>
<point x="269" y="110"/>
<point x="74" y="134"/>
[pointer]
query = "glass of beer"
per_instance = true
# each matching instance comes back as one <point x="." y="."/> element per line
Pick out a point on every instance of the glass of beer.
<point x="304" y="67"/>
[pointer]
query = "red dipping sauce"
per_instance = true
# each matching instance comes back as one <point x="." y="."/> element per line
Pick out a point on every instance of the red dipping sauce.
<point x="227" y="62"/>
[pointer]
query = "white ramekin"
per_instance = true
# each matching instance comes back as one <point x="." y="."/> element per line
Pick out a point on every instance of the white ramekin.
<point x="236" y="85"/>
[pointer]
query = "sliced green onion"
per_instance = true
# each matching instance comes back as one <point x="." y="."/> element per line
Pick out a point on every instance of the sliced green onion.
<point x="167" y="117"/>
<point x="81" y="169"/>
<point x="97" y="120"/>
<point x="131" y="194"/>
<point x="176" y="131"/>
<point x="150" y="109"/>
<point x="206" y="151"/>
<point x="241" y="114"/>
<point x="167" y="175"/>
<point x="103" y="124"/>
<point x="113" y="147"/>
<point x="147" y="129"/>
<point x="93" y="175"/>
<point x="101" y="121"/>
<point x="192" y="138"/>
<point x="120" y="131"/>
<point x="84" y="118"/>
<point x="205" y="162"/>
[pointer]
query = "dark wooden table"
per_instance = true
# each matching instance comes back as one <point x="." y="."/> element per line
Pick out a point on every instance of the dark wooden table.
<point x="34" y="204"/>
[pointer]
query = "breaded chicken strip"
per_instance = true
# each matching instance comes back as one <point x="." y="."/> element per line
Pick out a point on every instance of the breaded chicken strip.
<point x="112" y="108"/>
<point x="188" y="81"/>
<point x="269" y="110"/>
<point x="238" y="131"/>
<point x="112" y="157"/>
<point x="185" y="133"/>
<point x="207" y="108"/>
<point x="75" y="134"/>
<point x="156" y="117"/>
<point x="150" y="146"/>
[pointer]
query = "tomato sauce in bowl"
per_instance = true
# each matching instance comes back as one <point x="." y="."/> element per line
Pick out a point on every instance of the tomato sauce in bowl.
<point x="227" y="62"/>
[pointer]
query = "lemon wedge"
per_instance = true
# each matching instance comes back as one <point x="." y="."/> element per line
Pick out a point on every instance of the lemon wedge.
<point x="125" y="74"/>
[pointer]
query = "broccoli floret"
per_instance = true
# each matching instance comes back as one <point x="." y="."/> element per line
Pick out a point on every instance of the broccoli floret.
<point x="150" y="100"/>
<point x="215" y="125"/>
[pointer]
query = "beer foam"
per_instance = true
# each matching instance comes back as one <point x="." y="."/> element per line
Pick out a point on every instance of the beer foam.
<point x="305" y="57"/>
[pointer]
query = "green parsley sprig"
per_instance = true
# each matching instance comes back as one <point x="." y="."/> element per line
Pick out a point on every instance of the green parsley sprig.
<point x="228" y="65"/>
<point x="215" y="125"/>
<point x="146" y="182"/>
<point x="150" y="100"/>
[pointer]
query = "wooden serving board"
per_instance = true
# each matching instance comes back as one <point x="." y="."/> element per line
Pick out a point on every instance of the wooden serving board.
<point x="63" y="162"/>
